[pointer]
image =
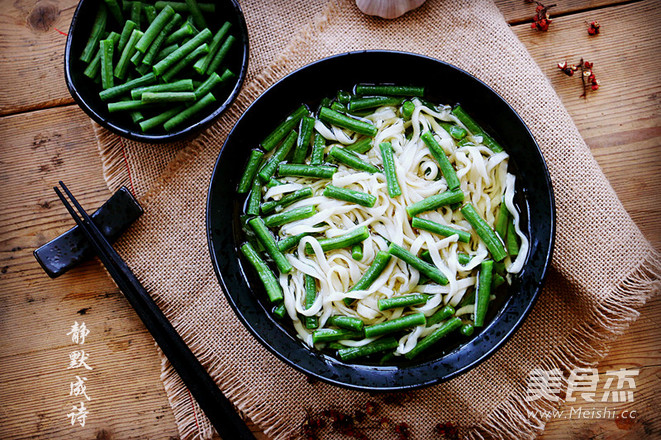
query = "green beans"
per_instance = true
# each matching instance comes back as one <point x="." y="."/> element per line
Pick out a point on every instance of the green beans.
<point x="347" y="322"/>
<point x="453" y="130"/>
<point x="184" y="85"/>
<point x="154" y="29"/>
<point x="221" y="54"/>
<point x="318" y="146"/>
<point x="136" y="12"/>
<point x="289" y="216"/>
<point x="444" y="164"/>
<point x="107" y="49"/>
<point x="429" y="270"/>
<point x="115" y="10"/>
<point x="434" y="337"/>
<point x="512" y="240"/>
<point x="388" y="90"/>
<point x="332" y="117"/>
<point x="407" y="110"/>
<point x="332" y="334"/>
<point x="357" y="104"/>
<point x="467" y="329"/>
<point x="373" y="272"/>
<point x="271" y="205"/>
<point x="350" y="195"/>
<point x="502" y="220"/>
<point x="125" y="106"/>
<point x="183" y="32"/>
<point x="280" y="310"/>
<point x="350" y="238"/>
<point x="319" y="171"/>
<point x="389" y="169"/>
<point x="303" y="141"/>
<point x="357" y="251"/>
<point x="196" y="13"/>
<point x="212" y="81"/>
<point x="188" y="47"/>
<point x="362" y="146"/>
<point x="98" y="28"/>
<point x="160" y="97"/>
<point x="160" y="119"/>
<point x="189" y="112"/>
<point x="265" y="274"/>
<point x="202" y="64"/>
<point x="483" y="292"/>
<point x="350" y="159"/>
<point x="440" y="315"/>
<point x="269" y="168"/>
<point x="395" y="325"/>
<point x="434" y="202"/>
<point x="159" y="41"/>
<point x="123" y="63"/>
<point x="185" y="61"/>
<point x="310" y="297"/>
<point x="440" y="229"/>
<point x="378" y="346"/>
<point x="266" y="239"/>
<point x="290" y="242"/>
<point x="127" y="30"/>
<point x="473" y="126"/>
<point x="402" y="301"/>
<point x="284" y="128"/>
<point x="463" y="258"/>
<point x="150" y="13"/>
<point x="254" y="198"/>
<point x="497" y="280"/>
<point x="484" y="231"/>
<point x="183" y="7"/>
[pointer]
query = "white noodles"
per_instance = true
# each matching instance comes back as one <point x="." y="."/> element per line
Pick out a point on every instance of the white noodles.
<point x="484" y="180"/>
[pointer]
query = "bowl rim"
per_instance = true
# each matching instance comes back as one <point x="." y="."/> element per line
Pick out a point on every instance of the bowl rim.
<point x="136" y="135"/>
<point x="501" y="340"/>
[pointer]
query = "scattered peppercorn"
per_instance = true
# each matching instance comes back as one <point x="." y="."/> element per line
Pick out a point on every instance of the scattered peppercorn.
<point x="371" y="407"/>
<point x="447" y="430"/>
<point x="542" y="18"/>
<point x="593" y="28"/>
<point x="403" y="432"/>
<point x="588" y="77"/>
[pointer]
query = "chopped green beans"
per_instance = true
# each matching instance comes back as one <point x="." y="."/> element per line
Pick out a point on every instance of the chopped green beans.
<point x="435" y="202"/>
<point x="434" y="337"/>
<point x="115" y="10"/>
<point x="498" y="280"/>
<point x="158" y="97"/>
<point x="212" y="81"/>
<point x="266" y="239"/>
<point x="390" y="172"/>
<point x="254" y="198"/>
<point x="280" y="310"/>
<point x="476" y="129"/>
<point x="269" y="168"/>
<point x="318" y="146"/>
<point x="310" y="296"/>
<point x="153" y="122"/>
<point x="271" y="205"/>
<point x="289" y="216"/>
<point x="453" y="130"/>
<point x="512" y="240"/>
<point x="502" y="220"/>
<point x="176" y="56"/>
<point x="107" y="50"/>
<point x="440" y="229"/>
<point x="342" y="241"/>
<point x="266" y="275"/>
<point x="407" y="110"/>
<point x="183" y="7"/>
<point x="122" y="65"/>
<point x="395" y="325"/>
<point x="202" y="64"/>
<point x="125" y="106"/>
<point x="444" y="164"/>
<point x="350" y="159"/>
<point x="463" y="258"/>
<point x="290" y="242"/>
<point x="357" y="104"/>
<point x="378" y="346"/>
<point x="347" y="322"/>
<point x="221" y="54"/>
<point x="440" y="315"/>
<point x="154" y="29"/>
<point x="379" y="264"/>
<point x="183" y="32"/>
<point x="184" y="85"/>
<point x="136" y="12"/>
<point x="98" y="28"/>
<point x="185" y="61"/>
<point x="362" y="146"/>
<point x="332" y="117"/>
<point x="368" y="89"/>
<point x="150" y="13"/>
<point x="196" y="13"/>
<point x="332" y="334"/>
<point x="189" y="112"/>
<point x="319" y="171"/>
<point x="429" y="270"/>
<point x="484" y="231"/>
<point x="127" y="30"/>
<point x="284" y="128"/>
<point x="483" y="292"/>
<point x="304" y="138"/>
<point x="350" y="195"/>
<point x="467" y="329"/>
<point x="402" y="301"/>
<point x="357" y="251"/>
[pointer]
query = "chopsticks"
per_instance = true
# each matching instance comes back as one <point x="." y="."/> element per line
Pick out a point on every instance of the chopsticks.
<point x="213" y="402"/>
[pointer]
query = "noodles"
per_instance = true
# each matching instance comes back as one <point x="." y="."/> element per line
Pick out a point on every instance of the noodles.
<point x="484" y="180"/>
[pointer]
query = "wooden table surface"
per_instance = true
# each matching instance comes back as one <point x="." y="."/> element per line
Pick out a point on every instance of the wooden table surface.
<point x="45" y="137"/>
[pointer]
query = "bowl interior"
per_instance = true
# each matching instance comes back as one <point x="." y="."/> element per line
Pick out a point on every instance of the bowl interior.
<point x="86" y="93"/>
<point x="444" y="84"/>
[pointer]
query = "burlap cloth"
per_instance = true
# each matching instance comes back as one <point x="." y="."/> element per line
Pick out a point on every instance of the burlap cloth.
<point x="603" y="269"/>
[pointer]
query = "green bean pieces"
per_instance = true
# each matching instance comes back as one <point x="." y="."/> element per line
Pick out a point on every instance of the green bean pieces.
<point x="284" y="128"/>
<point x="196" y="13"/>
<point x="272" y="205"/>
<point x="350" y="159"/>
<point x="512" y="239"/>
<point x="318" y="146"/>
<point x="440" y="315"/>
<point x="484" y="231"/>
<point x="429" y="270"/>
<point x="268" y="170"/>
<point x="362" y="146"/>
<point x="297" y="170"/>
<point x="154" y="29"/>
<point x="176" y="56"/>
<point x="431" y="339"/>
<point x="189" y="112"/>
<point x="266" y="239"/>
<point x="440" y="229"/>
<point x="350" y="195"/>
<point x="332" y="117"/>
<point x="402" y="301"/>
<point x="502" y="220"/>
<point x="444" y="164"/>
<point x="304" y="138"/>
<point x="395" y="325"/>
<point x="357" y="251"/>
<point x="357" y="104"/>
<point x="474" y="128"/>
<point x="378" y="346"/>
<point x="160" y="97"/>
<point x="107" y="50"/>
<point x="290" y="242"/>
<point x="265" y="274"/>
<point x="347" y="322"/>
<point x="289" y="216"/>
<point x="332" y="334"/>
<point x="310" y="296"/>
<point x="434" y="202"/>
<point x="483" y="292"/>
<point x="389" y="90"/>
<point x="373" y="272"/>
<point x="202" y="64"/>
<point x="98" y="28"/>
<point x="342" y="241"/>
<point x="389" y="169"/>
<point x="184" y="85"/>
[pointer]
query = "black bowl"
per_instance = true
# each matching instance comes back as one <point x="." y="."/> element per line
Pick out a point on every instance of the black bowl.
<point x="86" y="93"/>
<point x="445" y="84"/>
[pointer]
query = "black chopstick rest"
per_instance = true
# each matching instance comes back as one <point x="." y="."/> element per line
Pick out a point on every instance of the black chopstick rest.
<point x="112" y="218"/>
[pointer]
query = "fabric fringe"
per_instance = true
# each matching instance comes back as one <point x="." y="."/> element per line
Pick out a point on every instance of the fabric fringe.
<point x="111" y="150"/>
<point x="585" y="347"/>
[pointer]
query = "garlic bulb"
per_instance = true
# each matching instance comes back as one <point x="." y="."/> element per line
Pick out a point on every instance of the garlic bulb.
<point x="388" y="8"/>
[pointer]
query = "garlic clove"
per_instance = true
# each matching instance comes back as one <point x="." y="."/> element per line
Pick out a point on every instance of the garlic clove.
<point x="388" y="8"/>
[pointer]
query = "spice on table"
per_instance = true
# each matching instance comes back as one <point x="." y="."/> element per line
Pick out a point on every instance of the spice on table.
<point x="588" y="78"/>
<point x="542" y="19"/>
<point x="593" y="28"/>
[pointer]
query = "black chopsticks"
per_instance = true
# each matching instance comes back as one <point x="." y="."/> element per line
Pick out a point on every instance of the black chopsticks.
<point x="213" y="402"/>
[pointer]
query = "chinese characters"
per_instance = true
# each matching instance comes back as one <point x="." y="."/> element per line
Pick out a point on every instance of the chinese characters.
<point x="78" y="360"/>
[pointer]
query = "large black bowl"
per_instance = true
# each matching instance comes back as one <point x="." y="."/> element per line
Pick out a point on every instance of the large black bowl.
<point x="86" y="93"/>
<point x="443" y="83"/>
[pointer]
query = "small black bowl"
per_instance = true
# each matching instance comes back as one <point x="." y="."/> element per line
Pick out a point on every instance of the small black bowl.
<point x="86" y="93"/>
<point x="444" y="84"/>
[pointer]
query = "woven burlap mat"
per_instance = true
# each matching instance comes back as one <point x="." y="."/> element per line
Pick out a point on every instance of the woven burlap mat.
<point x="603" y="269"/>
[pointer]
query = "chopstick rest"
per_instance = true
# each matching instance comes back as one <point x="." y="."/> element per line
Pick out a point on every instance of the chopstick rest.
<point x="71" y="248"/>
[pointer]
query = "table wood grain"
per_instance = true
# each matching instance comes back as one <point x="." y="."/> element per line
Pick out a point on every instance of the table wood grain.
<point x="44" y="137"/>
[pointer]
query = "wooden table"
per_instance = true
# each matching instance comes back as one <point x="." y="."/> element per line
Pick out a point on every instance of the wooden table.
<point x="44" y="137"/>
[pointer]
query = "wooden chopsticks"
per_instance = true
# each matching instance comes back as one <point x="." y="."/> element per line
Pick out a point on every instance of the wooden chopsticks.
<point x="213" y="402"/>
